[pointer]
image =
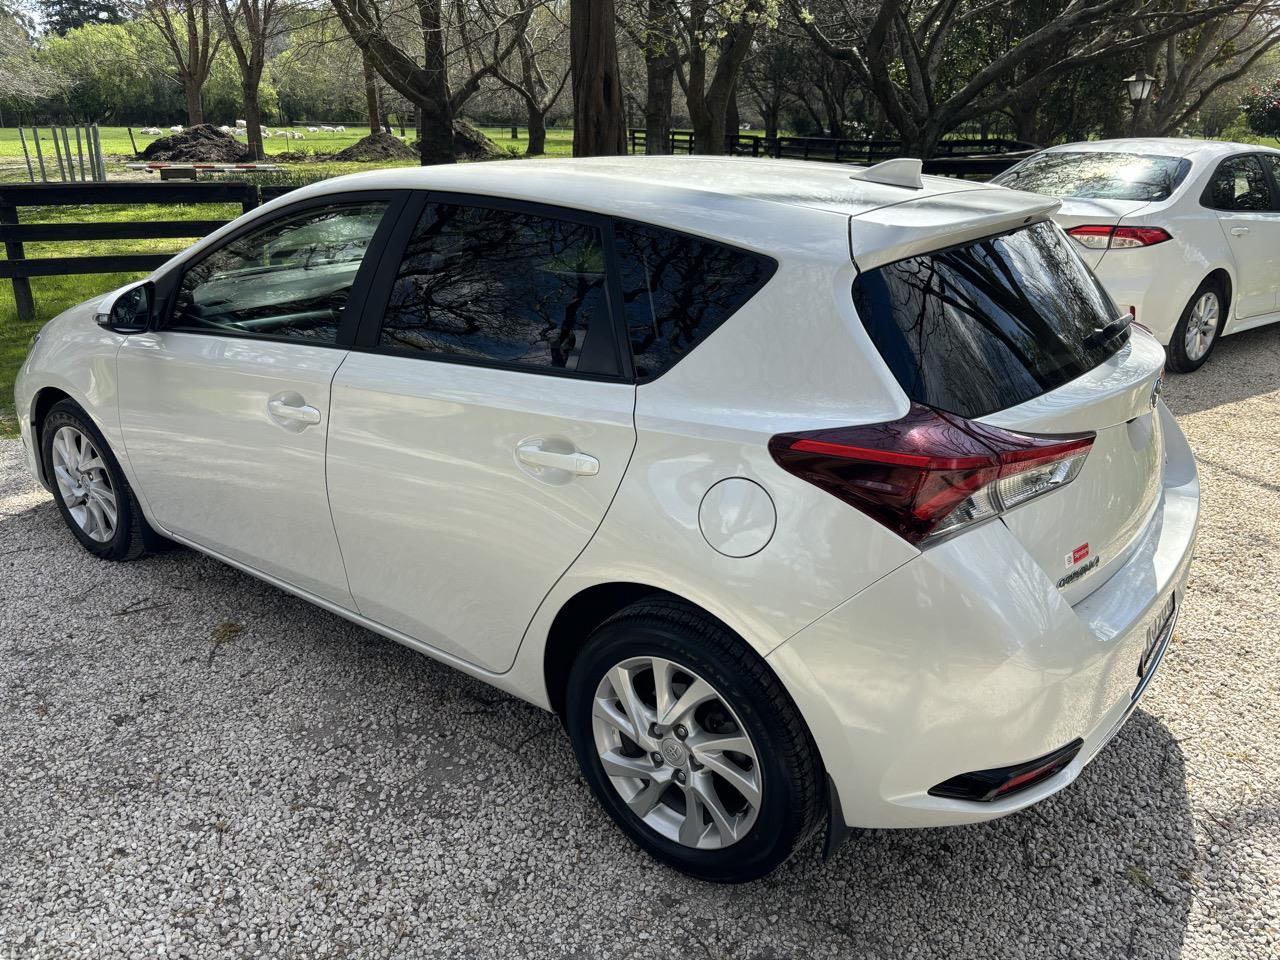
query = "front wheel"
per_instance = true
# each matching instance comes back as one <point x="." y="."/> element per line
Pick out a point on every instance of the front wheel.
<point x="691" y="744"/>
<point x="1198" y="328"/>
<point x="92" y="493"/>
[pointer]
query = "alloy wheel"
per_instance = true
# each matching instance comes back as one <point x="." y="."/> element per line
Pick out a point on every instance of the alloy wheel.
<point x="1202" y="326"/>
<point x="84" y="484"/>
<point x="676" y="753"/>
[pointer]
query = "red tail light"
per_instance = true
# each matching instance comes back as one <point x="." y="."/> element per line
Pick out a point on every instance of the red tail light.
<point x="1104" y="236"/>
<point x="931" y="472"/>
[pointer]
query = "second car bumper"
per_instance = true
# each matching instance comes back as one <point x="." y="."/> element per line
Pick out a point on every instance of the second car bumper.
<point x="968" y="658"/>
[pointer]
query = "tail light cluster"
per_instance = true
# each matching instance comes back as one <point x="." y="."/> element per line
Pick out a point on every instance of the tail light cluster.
<point x="931" y="473"/>
<point x="1108" y="237"/>
<point x="983" y="786"/>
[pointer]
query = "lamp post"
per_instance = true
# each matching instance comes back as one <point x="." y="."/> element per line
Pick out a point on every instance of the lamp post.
<point x="1139" y="88"/>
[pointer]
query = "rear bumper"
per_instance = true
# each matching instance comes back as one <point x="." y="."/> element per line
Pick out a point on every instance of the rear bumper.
<point x="1156" y="290"/>
<point x="968" y="658"/>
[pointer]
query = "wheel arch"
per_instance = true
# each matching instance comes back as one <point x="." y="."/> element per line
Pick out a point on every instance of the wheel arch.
<point x="45" y="399"/>
<point x="581" y="614"/>
<point x="1222" y="277"/>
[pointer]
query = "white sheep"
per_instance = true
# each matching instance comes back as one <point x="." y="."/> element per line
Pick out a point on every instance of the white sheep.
<point x="224" y="128"/>
<point x="327" y="129"/>
<point x="312" y="130"/>
<point x="176" y="128"/>
<point x="150" y="131"/>
<point x="266" y="134"/>
<point x="241" y="123"/>
<point x="340" y="128"/>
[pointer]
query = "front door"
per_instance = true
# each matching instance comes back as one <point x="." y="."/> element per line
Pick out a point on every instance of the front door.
<point x="478" y="438"/>
<point x="224" y="409"/>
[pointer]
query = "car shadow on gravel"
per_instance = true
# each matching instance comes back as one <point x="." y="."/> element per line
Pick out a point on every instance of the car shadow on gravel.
<point x="1243" y="365"/>
<point x="1105" y="869"/>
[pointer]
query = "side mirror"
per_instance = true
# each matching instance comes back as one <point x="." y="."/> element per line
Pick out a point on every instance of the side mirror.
<point x="127" y="310"/>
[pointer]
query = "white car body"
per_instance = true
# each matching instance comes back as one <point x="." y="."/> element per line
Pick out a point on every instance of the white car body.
<point x="407" y="507"/>
<point x="1157" y="282"/>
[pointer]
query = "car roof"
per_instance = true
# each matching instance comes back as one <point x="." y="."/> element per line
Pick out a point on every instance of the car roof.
<point x="763" y="204"/>
<point x="1163" y="147"/>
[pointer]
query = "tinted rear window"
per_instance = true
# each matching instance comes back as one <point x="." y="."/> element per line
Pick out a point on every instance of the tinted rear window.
<point x="990" y="324"/>
<point x="1095" y="175"/>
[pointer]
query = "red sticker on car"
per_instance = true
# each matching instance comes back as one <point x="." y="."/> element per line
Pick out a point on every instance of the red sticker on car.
<point x="1078" y="554"/>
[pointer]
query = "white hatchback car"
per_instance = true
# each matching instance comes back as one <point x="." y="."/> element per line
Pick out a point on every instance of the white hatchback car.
<point x="807" y="496"/>
<point x="1184" y="234"/>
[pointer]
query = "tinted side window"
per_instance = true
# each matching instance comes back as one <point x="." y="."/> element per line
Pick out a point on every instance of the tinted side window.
<point x="677" y="289"/>
<point x="291" y="278"/>
<point x="1239" y="183"/>
<point x="497" y="285"/>
<point x="1272" y="161"/>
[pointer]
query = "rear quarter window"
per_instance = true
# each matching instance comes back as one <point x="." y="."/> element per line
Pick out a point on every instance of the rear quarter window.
<point x="987" y="325"/>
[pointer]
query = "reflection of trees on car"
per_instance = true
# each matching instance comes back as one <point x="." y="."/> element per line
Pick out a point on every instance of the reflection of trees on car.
<point x="511" y="286"/>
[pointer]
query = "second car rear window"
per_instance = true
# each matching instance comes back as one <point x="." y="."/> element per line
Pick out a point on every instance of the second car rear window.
<point x="988" y="325"/>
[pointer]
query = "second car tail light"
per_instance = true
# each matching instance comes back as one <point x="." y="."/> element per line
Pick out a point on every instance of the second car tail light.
<point x="1106" y="237"/>
<point x="931" y="473"/>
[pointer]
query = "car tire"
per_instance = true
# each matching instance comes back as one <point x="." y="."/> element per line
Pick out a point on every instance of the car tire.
<point x="680" y="789"/>
<point x="1199" y="328"/>
<point x="91" y="491"/>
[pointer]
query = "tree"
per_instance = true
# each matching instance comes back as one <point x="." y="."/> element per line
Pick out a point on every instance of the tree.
<point x="425" y="82"/>
<point x="23" y="78"/>
<point x="531" y="84"/>
<point x="598" y="119"/>
<point x="1261" y="106"/>
<point x="249" y="26"/>
<point x="908" y="54"/>
<point x="716" y="39"/>
<point x="190" y="32"/>
<point x="59" y="16"/>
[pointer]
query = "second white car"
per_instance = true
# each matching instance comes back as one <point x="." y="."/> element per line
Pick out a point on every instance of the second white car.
<point x="1184" y="234"/>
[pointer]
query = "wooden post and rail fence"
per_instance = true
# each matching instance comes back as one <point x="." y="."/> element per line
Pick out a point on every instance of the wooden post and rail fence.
<point x="961" y="159"/>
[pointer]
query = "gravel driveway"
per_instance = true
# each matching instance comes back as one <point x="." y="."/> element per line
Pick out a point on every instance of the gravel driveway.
<point x="195" y="764"/>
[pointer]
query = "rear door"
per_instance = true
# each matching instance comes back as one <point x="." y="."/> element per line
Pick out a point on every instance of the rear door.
<point x="483" y="425"/>
<point x="224" y="408"/>
<point x="1241" y="195"/>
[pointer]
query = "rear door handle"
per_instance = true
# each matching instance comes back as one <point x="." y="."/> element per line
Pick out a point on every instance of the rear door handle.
<point x="579" y="464"/>
<point x="1239" y="231"/>
<point x="290" y="411"/>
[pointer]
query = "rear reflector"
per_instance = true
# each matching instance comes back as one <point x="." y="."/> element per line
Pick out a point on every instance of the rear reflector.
<point x="983" y="786"/>
<point x="931" y="473"/>
<point x="1107" y="237"/>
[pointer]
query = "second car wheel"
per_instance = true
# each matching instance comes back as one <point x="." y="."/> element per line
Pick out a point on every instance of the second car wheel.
<point x="1198" y="328"/>
<point x="691" y="743"/>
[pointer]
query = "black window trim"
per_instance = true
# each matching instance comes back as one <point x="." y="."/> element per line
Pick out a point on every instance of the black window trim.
<point x="614" y="366"/>
<point x="770" y="269"/>
<point x="168" y="284"/>
<point x="1273" y="187"/>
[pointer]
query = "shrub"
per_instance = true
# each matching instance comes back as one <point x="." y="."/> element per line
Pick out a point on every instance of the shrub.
<point x="1261" y="106"/>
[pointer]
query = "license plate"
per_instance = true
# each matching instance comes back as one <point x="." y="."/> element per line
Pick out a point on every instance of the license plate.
<point x="1161" y="622"/>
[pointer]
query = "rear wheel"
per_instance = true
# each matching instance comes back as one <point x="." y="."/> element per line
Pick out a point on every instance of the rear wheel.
<point x="691" y="744"/>
<point x="1198" y="328"/>
<point x="91" y="491"/>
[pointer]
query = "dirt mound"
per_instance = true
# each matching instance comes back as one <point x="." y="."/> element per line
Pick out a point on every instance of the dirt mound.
<point x="377" y="146"/>
<point x="470" y="144"/>
<point x="203" y="143"/>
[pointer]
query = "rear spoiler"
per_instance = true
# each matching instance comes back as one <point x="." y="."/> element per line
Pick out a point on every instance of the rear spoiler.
<point x="935" y="221"/>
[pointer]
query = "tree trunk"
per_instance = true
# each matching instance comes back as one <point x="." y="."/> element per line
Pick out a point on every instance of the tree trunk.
<point x="537" y="143"/>
<point x="195" y="108"/>
<point x="769" y="115"/>
<point x="253" y="118"/>
<point x="597" y="87"/>
<point x="371" y="94"/>
<point x="660" y="73"/>
<point x="436" y="143"/>
<point x="732" y="119"/>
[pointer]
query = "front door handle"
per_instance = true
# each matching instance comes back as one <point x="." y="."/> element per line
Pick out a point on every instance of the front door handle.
<point x="533" y="453"/>
<point x="1239" y="231"/>
<point x="290" y="411"/>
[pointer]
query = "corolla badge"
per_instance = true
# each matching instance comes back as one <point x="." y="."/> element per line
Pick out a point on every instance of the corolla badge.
<point x="1156" y="391"/>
